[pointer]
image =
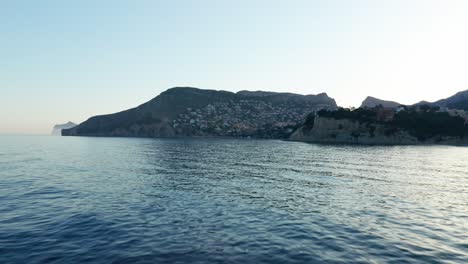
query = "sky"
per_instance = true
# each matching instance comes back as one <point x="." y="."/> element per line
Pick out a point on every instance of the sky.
<point x="69" y="60"/>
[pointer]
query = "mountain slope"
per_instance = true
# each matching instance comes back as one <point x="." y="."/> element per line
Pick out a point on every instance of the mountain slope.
<point x="457" y="101"/>
<point x="186" y="111"/>
<point x="371" y="102"/>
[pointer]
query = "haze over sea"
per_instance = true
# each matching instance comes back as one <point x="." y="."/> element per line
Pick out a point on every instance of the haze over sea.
<point x="129" y="200"/>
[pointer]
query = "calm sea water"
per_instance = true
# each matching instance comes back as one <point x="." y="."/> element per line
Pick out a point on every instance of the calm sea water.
<point x="117" y="200"/>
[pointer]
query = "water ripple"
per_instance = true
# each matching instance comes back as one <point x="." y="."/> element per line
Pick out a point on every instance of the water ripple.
<point x="111" y="200"/>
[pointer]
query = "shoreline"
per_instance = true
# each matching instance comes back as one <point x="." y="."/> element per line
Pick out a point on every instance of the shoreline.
<point x="319" y="142"/>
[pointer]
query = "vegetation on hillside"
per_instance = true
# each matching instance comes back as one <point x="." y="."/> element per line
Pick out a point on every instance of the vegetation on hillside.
<point x="360" y="114"/>
<point x="430" y="123"/>
<point x="423" y="122"/>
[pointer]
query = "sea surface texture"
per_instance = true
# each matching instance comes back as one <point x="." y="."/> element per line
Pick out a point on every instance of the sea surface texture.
<point x="121" y="200"/>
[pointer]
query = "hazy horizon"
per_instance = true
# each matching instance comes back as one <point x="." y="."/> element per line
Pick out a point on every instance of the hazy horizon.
<point x="70" y="61"/>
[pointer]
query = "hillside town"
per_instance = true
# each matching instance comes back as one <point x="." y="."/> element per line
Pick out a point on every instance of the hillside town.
<point x="244" y="118"/>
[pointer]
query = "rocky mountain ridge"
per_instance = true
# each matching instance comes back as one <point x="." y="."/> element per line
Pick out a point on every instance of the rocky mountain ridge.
<point x="373" y="102"/>
<point x="193" y="112"/>
<point x="457" y="101"/>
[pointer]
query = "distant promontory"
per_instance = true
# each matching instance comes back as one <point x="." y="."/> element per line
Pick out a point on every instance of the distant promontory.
<point x="57" y="129"/>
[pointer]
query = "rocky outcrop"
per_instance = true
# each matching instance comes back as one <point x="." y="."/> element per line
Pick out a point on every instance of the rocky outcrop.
<point x="193" y="112"/>
<point x="331" y="130"/>
<point x="372" y="102"/>
<point x="57" y="130"/>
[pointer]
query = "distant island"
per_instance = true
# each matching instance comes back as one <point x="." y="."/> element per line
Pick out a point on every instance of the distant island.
<point x="193" y="112"/>
<point x="57" y="129"/>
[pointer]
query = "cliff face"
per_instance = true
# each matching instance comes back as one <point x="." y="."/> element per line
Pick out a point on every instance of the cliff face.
<point x="331" y="130"/>
<point x="187" y="112"/>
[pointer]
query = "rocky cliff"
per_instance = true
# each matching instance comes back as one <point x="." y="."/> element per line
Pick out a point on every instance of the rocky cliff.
<point x="193" y="112"/>
<point x="405" y="128"/>
<point x="330" y="130"/>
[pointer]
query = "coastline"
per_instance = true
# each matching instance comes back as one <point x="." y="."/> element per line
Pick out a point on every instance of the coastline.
<point x="310" y="141"/>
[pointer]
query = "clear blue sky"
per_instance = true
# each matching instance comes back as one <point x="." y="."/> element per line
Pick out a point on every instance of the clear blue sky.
<point x="69" y="60"/>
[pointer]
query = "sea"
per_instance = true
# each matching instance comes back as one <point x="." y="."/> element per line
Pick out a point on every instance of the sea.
<point x="133" y="200"/>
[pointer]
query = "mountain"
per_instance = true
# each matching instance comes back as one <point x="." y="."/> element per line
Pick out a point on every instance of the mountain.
<point x="457" y="101"/>
<point x="422" y="103"/>
<point x="193" y="112"/>
<point x="57" y="130"/>
<point x="372" y="102"/>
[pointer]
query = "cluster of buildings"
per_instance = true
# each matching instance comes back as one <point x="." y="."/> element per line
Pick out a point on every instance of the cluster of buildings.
<point x="242" y="118"/>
